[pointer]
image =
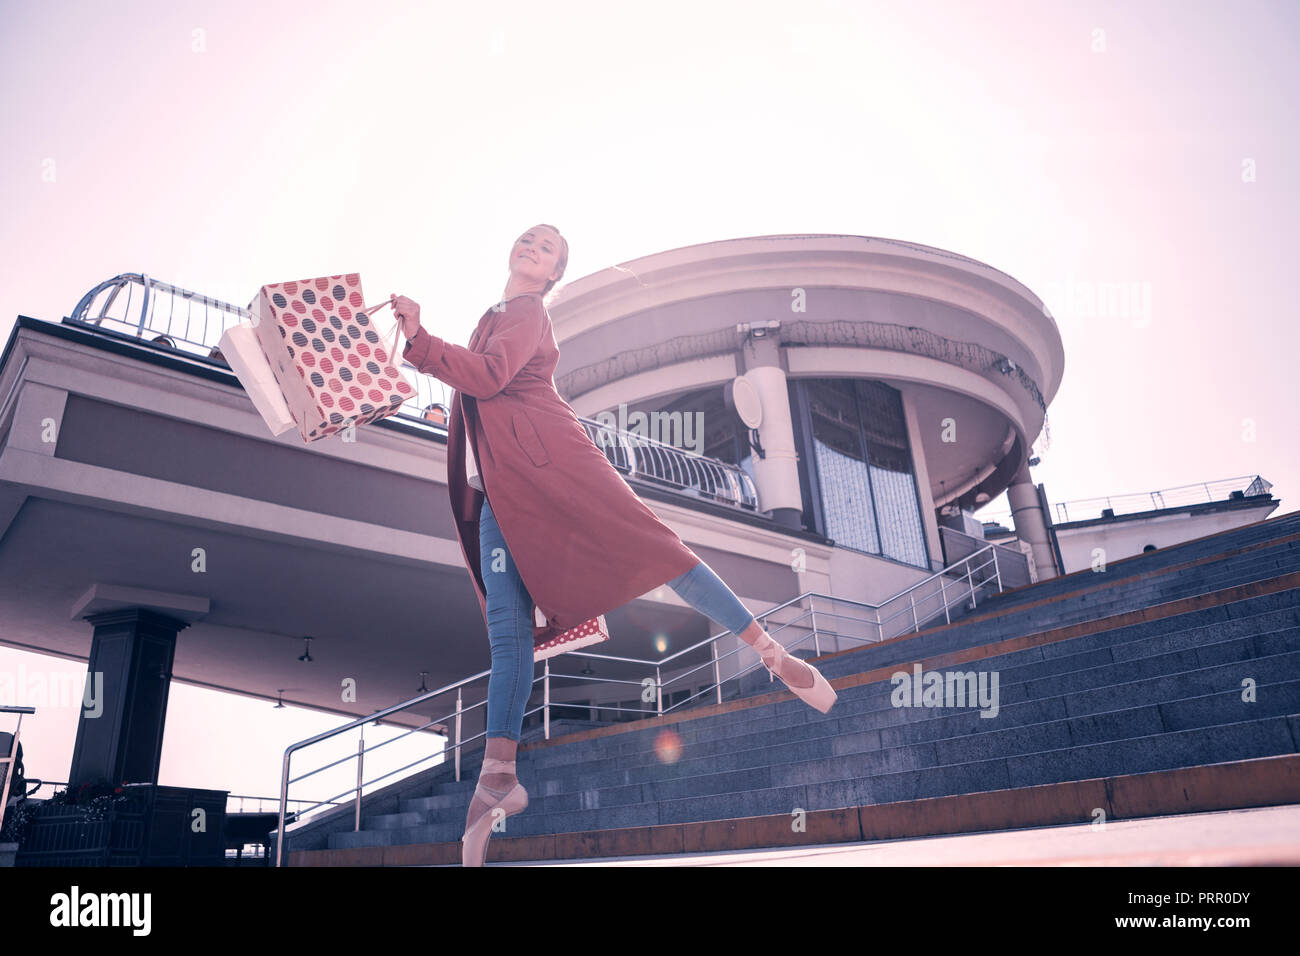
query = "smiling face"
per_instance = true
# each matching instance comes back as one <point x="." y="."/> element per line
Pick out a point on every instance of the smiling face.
<point x="536" y="255"/>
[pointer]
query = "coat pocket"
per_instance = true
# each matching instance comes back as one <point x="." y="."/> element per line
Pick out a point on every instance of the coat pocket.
<point x="528" y="439"/>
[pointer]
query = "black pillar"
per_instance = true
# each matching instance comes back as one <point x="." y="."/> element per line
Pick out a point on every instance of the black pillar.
<point x="119" y="735"/>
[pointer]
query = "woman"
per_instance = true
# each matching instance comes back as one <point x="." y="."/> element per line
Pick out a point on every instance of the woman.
<point x="577" y="533"/>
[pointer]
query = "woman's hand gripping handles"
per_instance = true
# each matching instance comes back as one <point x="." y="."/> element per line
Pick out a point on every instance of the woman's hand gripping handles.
<point x="408" y="314"/>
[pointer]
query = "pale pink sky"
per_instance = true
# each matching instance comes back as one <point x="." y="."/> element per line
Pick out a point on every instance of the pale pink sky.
<point x="222" y="146"/>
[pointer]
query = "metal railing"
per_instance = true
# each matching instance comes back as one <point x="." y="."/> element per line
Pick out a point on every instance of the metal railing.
<point x="916" y="606"/>
<point x="1013" y="563"/>
<point x="149" y="299"/>
<point x="659" y="463"/>
<point x="241" y="797"/>
<point x="638" y="457"/>
<point x="41" y="784"/>
<point x="1082" y="509"/>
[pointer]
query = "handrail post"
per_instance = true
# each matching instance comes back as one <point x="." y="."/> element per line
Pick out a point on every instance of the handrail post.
<point x="717" y="672"/>
<point x="284" y="799"/>
<point x="997" y="574"/>
<point x="144" y="305"/>
<point x="916" y="625"/>
<point x="361" y="756"/>
<point x="546" y="698"/>
<point x="943" y="599"/>
<point x="460" y="709"/>
<point x="970" y="585"/>
<point x="812" y="613"/>
<point x="659" y="691"/>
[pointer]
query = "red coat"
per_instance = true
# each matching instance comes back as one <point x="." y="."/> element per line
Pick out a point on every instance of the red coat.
<point x="583" y="542"/>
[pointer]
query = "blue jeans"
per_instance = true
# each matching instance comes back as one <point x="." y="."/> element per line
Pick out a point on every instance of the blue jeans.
<point x="510" y="624"/>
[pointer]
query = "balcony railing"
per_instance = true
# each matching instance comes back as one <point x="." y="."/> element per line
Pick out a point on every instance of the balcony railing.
<point x="193" y="324"/>
<point x="657" y="463"/>
<point x="1082" y="509"/>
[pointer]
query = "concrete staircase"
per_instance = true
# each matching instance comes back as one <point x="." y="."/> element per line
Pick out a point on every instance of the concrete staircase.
<point x="1119" y="692"/>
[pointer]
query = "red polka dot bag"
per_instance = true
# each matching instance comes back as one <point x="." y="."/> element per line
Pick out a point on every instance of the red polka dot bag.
<point x="585" y="634"/>
<point x="333" y="367"/>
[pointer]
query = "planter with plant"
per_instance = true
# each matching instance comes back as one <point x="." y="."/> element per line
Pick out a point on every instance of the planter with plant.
<point x="92" y="800"/>
<point x="17" y="818"/>
<point x="84" y="825"/>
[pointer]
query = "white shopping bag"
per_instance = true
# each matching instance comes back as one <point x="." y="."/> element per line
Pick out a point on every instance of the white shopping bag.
<point x="240" y="348"/>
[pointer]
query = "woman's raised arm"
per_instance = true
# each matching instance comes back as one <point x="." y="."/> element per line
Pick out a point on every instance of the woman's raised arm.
<point x="512" y="336"/>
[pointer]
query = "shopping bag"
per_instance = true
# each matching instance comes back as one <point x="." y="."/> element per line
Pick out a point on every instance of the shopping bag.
<point x="585" y="634"/>
<point x="240" y="348"/>
<point x="333" y="367"/>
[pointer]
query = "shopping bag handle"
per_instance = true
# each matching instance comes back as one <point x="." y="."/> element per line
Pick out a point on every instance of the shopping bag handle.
<point x="393" y="350"/>
<point x="375" y="308"/>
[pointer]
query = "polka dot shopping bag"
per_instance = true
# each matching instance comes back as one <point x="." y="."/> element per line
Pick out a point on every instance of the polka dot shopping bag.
<point x="333" y="366"/>
<point x="585" y="634"/>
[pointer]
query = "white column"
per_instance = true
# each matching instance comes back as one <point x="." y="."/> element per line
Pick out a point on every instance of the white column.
<point x="1027" y="517"/>
<point x="776" y="475"/>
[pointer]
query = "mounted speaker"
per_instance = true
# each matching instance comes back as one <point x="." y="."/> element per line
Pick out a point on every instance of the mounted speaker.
<point x="741" y="396"/>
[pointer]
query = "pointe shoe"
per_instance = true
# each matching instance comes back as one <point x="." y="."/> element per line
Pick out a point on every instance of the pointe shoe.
<point x="820" y="696"/>
<point x="474" y="842"/>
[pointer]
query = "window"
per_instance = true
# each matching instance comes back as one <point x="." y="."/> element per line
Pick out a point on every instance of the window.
<point x="861" y="487"/>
